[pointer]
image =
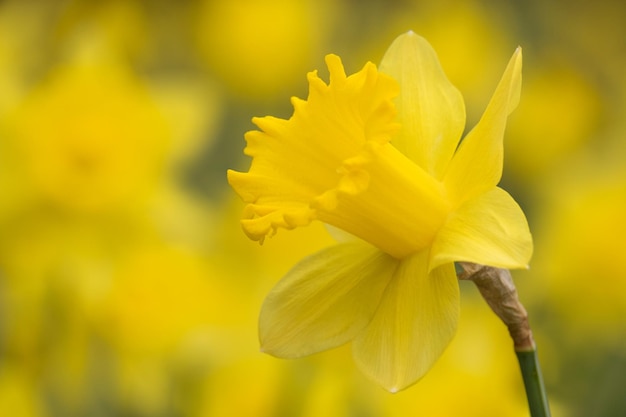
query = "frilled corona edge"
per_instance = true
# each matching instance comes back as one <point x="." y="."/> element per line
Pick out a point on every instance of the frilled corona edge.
<point x="300" y="165"/>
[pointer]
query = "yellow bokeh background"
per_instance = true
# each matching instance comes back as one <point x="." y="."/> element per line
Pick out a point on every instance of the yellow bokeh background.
<point x="127" y="287"/>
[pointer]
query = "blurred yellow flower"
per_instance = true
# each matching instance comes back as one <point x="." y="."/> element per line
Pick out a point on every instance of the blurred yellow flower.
<point x="396" y="180"/>
<point x="582" y="263"/>
<point x="553" y="92"/>
<point x="150" y="311"/>
<point x="162" y="314"/>
<point x="257" y="48"/>
<point x="89" y="138"/>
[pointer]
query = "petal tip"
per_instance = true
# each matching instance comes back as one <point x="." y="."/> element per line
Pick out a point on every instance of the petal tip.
<point x="410" y="34"/>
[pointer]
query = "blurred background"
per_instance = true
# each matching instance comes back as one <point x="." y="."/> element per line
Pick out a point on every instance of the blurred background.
<point x="127" y="287"/>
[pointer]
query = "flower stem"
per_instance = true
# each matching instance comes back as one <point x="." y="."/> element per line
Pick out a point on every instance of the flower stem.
<point x="533" y="382"/>
<point x="497" y="288"/>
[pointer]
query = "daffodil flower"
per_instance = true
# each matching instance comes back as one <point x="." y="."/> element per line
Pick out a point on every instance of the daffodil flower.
<point x="378" y="155"/>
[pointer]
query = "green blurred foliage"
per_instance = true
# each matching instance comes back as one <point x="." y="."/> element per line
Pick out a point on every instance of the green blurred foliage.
<point x="126" y="285"/>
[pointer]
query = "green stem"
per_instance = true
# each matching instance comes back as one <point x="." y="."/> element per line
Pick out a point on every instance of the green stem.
<point x="533" y="382"/>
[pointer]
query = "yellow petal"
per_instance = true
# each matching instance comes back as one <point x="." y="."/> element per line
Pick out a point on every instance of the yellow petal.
<point x="489" y="230"/>
<point x="414" y="323"/>
<point x="477" y="164"/>
<point x="324" y="300"/>
<point x="430" y="109"/>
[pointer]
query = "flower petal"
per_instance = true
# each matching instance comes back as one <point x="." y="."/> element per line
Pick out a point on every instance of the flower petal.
<point x="414" y="323"/>
<point x="477" y="164"/>
<point x="324" y="300"/>
<point x="489" y="230"/>
<point x="430" y="109"/>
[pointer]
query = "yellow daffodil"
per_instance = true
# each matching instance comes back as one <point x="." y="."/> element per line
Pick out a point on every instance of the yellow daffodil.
<point x="79" y="134"/>
<point x="377" y="155"/>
